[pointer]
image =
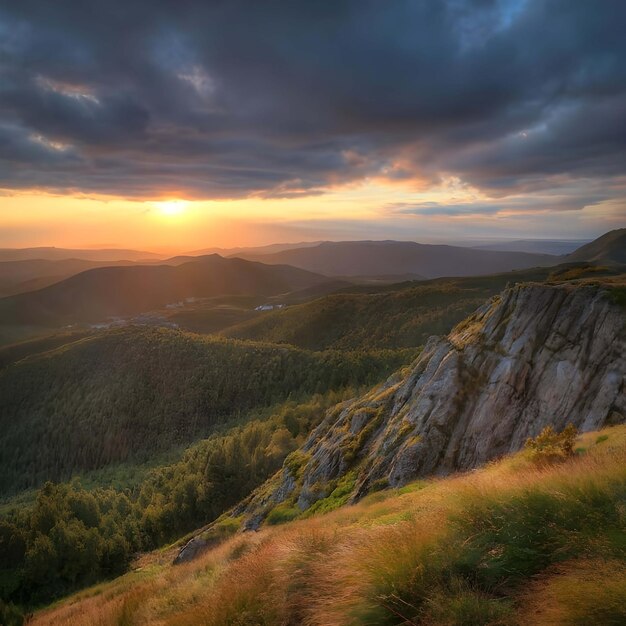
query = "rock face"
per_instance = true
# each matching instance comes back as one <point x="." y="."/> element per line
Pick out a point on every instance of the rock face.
<point x="194" y="547"/>
<point x="535" y="356"/>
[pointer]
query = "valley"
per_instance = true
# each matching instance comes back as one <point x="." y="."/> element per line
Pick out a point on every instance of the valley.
<point x="277" y="396"/>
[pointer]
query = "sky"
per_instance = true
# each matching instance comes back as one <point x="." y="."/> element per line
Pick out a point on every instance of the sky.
<point x="155" y="124"/>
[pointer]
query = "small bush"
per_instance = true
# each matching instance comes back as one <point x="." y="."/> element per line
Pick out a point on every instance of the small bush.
<point x="551" y="447"/>
<point x="222" y="529"/>
<point x="618" y="295"/>
<point x="337" y="497"/>
<point x="379" y="485"/>
<point x="10" y="615"/>
<point x="281" y="514"/>
<point x="296" y="462"/>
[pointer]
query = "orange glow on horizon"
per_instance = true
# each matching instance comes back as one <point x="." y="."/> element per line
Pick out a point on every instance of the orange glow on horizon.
<point x="176" y="224"/>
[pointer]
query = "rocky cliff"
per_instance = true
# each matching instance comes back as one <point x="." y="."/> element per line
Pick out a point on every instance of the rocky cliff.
<point x="537" y="355"/>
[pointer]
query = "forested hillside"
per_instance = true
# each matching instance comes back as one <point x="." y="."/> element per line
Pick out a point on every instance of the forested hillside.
<point x="126" y="395"/>
<point x="70" y="536"/>
<point x="104" y="292"/>
<point x="402" y="315"/>
<point x="17" y="351"/>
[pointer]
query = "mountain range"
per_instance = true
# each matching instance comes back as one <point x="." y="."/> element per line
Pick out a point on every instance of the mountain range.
<point x="116" y="291"/>
<point x="123" y="288"/>
<point x="375" y="258"/>
<point x="51" y="253"/>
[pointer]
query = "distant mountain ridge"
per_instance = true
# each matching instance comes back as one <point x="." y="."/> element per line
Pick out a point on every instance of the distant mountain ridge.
<point x="535" y="246"/>
<point x="104" y="292"/>
<point x="376" y="258"/>
<point x="267" y="249"/>
<point x="52" y="253"/>
<point x="31" y="274"/>
<point x="36" y="298"/>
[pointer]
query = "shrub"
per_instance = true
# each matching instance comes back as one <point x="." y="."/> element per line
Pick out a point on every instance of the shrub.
<point x="10" y="615"/>
<point x="379" y="485"/>
<point x="296" y="462"/>
<point x="337" y="497"/>
<point x="282" y="513"/>
<point x="551" y="447"/>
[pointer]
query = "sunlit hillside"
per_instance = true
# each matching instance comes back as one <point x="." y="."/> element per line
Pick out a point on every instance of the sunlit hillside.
<point x="522" y="541"/>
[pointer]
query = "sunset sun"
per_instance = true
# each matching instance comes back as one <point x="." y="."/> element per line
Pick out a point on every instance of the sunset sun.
<point x="171" y="208"/>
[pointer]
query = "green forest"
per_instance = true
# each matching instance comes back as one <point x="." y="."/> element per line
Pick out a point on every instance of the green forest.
<point x="71" y="536"/>
<point x="396" y="316"/>
<point x="127" y="395"/>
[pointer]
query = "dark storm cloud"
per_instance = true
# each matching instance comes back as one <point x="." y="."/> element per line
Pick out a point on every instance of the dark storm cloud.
<point x="279" y="98"/>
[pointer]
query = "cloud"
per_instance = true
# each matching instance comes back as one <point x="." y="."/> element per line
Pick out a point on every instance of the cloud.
<point x="566" y="198"/>
<point x="281" y="99"/>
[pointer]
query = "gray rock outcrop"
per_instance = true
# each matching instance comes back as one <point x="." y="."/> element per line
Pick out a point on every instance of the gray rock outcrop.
<point x="535" y="356"/>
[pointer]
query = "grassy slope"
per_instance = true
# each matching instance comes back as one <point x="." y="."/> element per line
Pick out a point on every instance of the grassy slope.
<point x="508" y="544"/>
<point x="609" y="248"/>
<point x="401" y="315"/>
<point x="126" y="395"/>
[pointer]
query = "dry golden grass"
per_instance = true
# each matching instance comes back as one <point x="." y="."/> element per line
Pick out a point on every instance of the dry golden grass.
<point x="578" y="593"/>
<point x="391" y="559"/>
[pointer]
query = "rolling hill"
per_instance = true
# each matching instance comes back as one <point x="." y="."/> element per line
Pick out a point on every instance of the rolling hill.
<point x="609" y="248"/>
<point x="100" y="293"/>
<point x="380" y="258"/>
<point x="394" y="316"/>
<point x="33" y="274"/>
<point x="131" y="393"/>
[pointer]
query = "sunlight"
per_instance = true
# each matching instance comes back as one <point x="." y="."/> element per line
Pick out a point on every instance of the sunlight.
<point x="171" y="208"/>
